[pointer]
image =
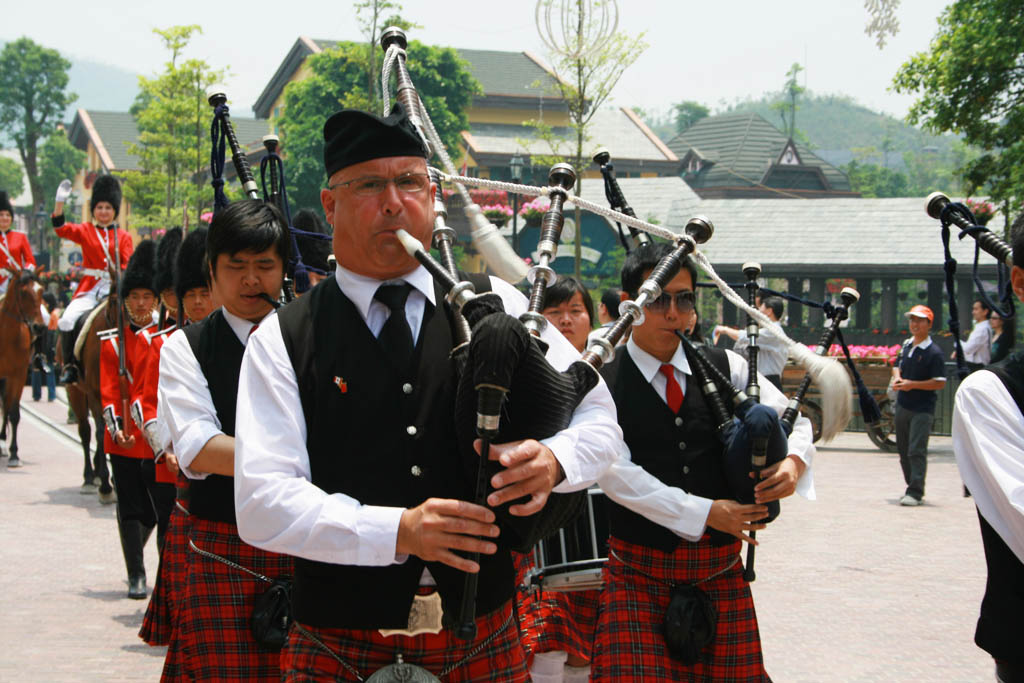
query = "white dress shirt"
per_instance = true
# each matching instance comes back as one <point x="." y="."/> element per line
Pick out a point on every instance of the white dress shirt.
<point x="978" y="347"/>
<point x="772" y="351"/>
<point x="277" y="506"/>
<point x="184" y="403"/>
<point x="988" y="441"/>
<point x="683" y="513"/>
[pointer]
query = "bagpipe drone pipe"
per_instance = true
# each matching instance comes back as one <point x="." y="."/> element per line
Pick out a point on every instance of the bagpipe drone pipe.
<point x="275" y="192"/>
<point x="939" y="207"/>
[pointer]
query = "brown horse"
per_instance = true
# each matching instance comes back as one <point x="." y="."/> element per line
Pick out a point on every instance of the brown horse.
<point x="22" y="322"/>
<point x="84" y="399"/>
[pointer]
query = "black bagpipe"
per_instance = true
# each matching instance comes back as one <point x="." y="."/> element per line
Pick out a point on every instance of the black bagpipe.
<point x="617" y="201"/>
<point x="939" y="207"/>
<point x="222" y="134"/>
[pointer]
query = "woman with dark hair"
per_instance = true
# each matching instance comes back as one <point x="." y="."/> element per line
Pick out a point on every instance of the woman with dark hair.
<point x="1003" y="333"/>
<point x="569" y="308"/>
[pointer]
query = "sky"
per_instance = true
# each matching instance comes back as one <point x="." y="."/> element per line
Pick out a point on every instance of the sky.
<point x="712" y="52"/>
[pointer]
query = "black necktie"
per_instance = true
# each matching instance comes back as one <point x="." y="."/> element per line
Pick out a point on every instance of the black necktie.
<point x="396" y="336"/>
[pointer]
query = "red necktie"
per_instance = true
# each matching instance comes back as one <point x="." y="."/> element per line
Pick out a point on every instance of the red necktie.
<point x="253" y="329"/>
<point x="673" y="392"/>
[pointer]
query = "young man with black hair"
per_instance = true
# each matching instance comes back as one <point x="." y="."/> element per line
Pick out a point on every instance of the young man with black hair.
<point x="100" y="253"/>
<point x="978" y="347"/>
<point x="988" y="441"/>
<point x="142" y="503"/>
<point x="350" y="462"/>
<point x="772" y="351"/>
<point x="247" y="247"/>
<point x="677" y="523"/>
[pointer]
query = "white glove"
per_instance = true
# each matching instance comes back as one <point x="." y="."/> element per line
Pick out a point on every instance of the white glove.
<point x="63" y="191"/>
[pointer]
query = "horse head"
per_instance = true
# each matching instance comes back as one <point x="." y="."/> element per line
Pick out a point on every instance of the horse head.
<point x="24" y="299"/>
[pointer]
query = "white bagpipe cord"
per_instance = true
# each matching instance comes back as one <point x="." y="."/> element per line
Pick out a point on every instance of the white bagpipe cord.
<point x="498" y="253"/>
<point x="831" y="378"/>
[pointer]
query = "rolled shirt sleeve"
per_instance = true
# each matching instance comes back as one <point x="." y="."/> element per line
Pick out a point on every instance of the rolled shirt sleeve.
<point x="988" y="442"/>
<point x="184" y="404"/>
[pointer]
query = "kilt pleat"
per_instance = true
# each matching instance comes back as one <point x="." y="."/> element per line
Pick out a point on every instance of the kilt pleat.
<point x="554" y="620"/>
<point x="630" y="645"/>
<point x="170" y="579"/>
<point x="502" y="661"/>
<point x="212" y="639"/>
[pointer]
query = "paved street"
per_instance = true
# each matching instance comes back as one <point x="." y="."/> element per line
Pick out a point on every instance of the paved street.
<point x="851" y="587"/>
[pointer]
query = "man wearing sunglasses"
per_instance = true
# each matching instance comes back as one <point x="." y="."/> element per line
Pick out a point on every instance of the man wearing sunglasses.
<point x="674" y="522"/>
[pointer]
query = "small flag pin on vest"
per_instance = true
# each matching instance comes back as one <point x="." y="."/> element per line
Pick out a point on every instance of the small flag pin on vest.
<point x="342" y="386"/>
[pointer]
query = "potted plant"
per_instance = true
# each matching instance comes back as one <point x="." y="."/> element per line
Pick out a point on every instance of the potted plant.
<point x="982" y="210"/>
<point x="532" y="212"/>
<point x="499" y="214"/>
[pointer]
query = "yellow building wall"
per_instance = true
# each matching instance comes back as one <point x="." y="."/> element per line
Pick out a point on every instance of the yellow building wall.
<point x="301" y="74"/>
<point x="515" y="117"/>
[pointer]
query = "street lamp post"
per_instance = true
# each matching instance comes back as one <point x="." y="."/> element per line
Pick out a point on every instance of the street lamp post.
<point x="516" y="165"/>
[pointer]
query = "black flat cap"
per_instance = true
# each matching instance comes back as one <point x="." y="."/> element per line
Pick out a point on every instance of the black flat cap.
<point x="352" y="136"/>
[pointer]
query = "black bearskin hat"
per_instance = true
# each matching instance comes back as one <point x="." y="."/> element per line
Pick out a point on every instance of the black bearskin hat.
<point x="314" y="250"/>
<point x="107" y="188"/>
<point x="166" y="250"/>
<point x="139" y="273"/>
<point x="190" y="267"/>
<point x="5" y="203"/>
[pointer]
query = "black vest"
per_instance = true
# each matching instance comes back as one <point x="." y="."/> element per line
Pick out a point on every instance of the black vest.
<point x="681" y="450"/>
<point x="998" y="631"/>
<point x="219" y="353"/>
<point x="383" y="440"/>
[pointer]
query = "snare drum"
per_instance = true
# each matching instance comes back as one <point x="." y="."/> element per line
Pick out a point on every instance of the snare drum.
<point x="573" y="558"/>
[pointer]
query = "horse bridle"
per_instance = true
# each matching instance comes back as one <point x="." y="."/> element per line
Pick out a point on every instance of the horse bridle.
<point x="21" y="317"/>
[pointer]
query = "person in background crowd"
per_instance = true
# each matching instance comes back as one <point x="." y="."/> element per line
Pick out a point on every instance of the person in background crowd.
<point x="772" y="351"/>
<point x="15" y="251"/>
<point x="918" y="374"/>
<point x="978" y="347"/>
<point x="988" y="442"/>
<point x="49" y="343"/>
<point x="608" y="309"/>
<point x="569" y="308"/>
<point x="1003" y="333"/>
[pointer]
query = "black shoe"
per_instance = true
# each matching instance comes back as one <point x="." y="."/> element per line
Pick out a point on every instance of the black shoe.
<point x="14" y="461"/>
<point x="69" y="375"/>
<point x="137" y="587"/>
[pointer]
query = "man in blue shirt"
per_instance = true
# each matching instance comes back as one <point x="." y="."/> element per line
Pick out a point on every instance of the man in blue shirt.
<point x="918" y="373"/>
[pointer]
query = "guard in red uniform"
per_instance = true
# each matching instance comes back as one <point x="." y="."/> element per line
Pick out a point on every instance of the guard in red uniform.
<point x="192" y="290"/>
<point x="140" y="499"/>
<point x="103" y="245"/>
<point x="15" y="251"/>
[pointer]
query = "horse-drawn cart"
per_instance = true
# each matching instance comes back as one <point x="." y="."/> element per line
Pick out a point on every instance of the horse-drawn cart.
<point x="875" y="371"/>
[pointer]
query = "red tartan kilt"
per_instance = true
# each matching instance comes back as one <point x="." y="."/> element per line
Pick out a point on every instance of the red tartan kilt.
<point x="629" y="643"/>
<point x="554" y="620"/>
<point x="170" y="581"/>
<point x="503" y="661"/>
<point x="213" y="636"/>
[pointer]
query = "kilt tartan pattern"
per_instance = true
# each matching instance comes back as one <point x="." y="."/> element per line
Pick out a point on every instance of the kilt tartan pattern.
<point x="502" y="661"/>
<point x="212" y="638"/>
<point x="630" y="645"/>
<point x="554" y="620"/>
<point x="170" y="581"/>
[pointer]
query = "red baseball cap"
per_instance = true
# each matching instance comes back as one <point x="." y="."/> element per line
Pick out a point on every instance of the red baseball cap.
<point x="921" y="312"/>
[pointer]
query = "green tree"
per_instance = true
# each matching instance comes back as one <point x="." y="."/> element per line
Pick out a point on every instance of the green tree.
<point x="59" y="159"/>
<point x="971" y="82"/>
<point x="33" y="100"/>
<point x="688" y="113"/>
<point x="12" y="180"/>
<point x="788" y="106"/>
<point x="872" y="180"/>
<point x="172" y="116"/>
<point x="337" y="80"/>
<point x="586" y="71"/>
<point x="370" y="15"/>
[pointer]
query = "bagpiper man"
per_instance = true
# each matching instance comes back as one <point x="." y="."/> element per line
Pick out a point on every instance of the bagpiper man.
<point x="100" y="254"/>
<point x="15" y="251"/>
<point x="988" y="441"/>
<point x="229" y="583"/>
<point x="694" y="555"/>
<point x="142" y="503"/>
<point x="351" y="465"/>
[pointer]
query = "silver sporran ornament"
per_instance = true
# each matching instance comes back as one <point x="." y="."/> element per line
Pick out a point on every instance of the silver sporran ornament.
<point x="400" y="672"/>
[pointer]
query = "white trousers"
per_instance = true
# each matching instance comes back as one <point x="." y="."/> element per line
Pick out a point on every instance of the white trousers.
<point x="81" y="305"/>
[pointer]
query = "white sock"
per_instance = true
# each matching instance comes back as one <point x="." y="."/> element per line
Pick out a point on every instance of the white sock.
<point x="549" y="667"/>
<point x="576" y="674"/>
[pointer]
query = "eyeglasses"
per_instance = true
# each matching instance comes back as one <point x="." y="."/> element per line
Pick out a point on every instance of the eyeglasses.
<point x="685" y="301"/>
<point x="407" y="183"/>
